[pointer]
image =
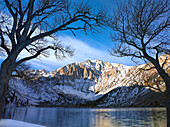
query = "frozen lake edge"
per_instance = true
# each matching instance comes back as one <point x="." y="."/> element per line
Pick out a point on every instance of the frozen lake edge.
<point x="15" y="123"/>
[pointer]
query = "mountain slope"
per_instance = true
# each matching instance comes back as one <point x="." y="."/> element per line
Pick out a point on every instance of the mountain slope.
<point x="91" y="83"/>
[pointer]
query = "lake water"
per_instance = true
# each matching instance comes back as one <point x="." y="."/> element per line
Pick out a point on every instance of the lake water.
<point x="90" y="117"/>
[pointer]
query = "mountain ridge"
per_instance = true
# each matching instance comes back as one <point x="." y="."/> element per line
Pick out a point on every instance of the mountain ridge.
<point x="88" y="82"/>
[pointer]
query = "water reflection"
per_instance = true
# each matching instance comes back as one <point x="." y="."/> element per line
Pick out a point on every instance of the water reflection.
<point x="132" y="117"/>
<point x="90" y="117"/>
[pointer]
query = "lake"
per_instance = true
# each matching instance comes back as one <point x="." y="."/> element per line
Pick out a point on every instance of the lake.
<point x="89" y="117"/>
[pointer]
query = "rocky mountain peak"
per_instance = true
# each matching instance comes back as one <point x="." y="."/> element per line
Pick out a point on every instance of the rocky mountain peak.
<point x="93" y="81"/>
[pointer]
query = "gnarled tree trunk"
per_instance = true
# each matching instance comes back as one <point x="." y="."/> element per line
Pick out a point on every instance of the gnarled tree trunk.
<point x="168" y="102"/>
<point x="5" y="74"/>
<point x="166" y="79"/>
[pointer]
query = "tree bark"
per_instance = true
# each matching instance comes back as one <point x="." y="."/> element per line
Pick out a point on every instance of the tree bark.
<point x="166" y="79"/>
<point x="4" y="80"/>
<point x="6" y="69"/>
<point x="168" y="102"/>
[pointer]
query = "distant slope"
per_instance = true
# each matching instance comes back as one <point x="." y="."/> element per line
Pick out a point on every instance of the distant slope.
<point x="91" y="83"/>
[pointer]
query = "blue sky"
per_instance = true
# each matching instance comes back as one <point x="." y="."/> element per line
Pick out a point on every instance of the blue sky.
<point x="87" y="46"/>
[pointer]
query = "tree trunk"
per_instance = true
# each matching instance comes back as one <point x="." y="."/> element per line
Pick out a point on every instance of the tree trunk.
<point x="167" y="82"/>
<point x="168" y="103"/>
<point x="166" y="79"/>
<point x="4" y="80"/>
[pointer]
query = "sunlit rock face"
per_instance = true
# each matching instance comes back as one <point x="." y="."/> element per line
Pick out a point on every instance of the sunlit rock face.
<point x="104" y="75"/>
<point x="92" y="83"/>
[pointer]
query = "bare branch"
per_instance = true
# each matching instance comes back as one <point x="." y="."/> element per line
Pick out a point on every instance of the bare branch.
<point x="57" y="48"/>
<point x="3" y="43"/>
<point x="164" y="61"/>
<point x="158" y="30"/>
<point x="144" y="69"/>
<point x="137" y="24"/>
<point x="9" y="6"/>
<point x="141" y="30"/>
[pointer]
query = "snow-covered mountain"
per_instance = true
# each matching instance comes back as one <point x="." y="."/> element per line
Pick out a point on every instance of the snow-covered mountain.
<point x="91" y="83"/>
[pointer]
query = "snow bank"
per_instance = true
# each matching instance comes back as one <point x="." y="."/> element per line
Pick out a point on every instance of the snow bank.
<point x="14" y="123"/>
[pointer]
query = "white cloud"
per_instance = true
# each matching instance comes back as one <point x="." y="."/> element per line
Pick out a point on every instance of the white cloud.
<point x="82" y="53"/>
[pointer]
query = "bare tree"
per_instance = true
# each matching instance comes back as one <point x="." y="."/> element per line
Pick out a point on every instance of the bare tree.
<point x="141" y="30"/>
<point x="32" y="22"/>
<point x="150" y="78"/>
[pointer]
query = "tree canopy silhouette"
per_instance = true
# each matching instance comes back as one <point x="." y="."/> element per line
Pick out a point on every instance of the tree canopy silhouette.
<point x="141" y="30"/>
<point x="28" y="24"/>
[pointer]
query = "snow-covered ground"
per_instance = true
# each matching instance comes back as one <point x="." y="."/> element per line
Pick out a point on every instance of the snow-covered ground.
<point x="15" y="123"/>
<point x="81" y="83"/>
